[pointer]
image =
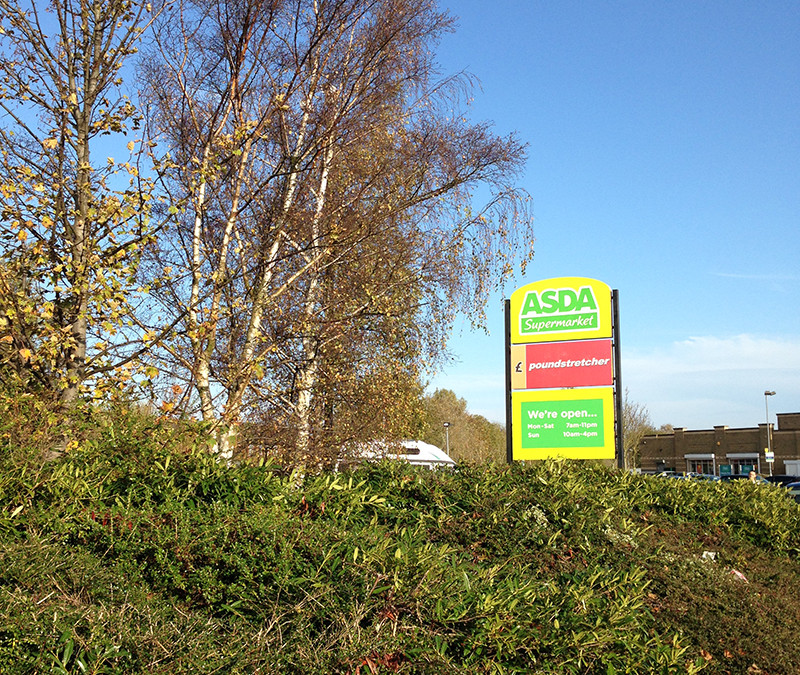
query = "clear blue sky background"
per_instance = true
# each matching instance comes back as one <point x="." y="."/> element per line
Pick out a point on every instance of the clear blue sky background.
<point x="664" y="160"/>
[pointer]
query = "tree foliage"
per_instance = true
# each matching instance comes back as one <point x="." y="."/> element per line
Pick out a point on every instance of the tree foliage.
<point x="469" y="437"/>
<point x="72" y="221"/>
<point x="298" y="208"/>
<point x="636" y="424"/>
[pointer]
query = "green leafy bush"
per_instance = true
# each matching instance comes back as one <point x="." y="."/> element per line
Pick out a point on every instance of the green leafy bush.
<point x="137" y="552"/>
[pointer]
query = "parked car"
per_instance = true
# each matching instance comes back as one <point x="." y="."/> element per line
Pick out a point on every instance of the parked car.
<point x="783" y="479"/>
<point x="417" y="453"/>
<point x="691" y="475"/>
<point x="702" y="476"/>
<point x="421" y="453"/>
<point x="794" y="490"/>
<point x="744" y="476"/>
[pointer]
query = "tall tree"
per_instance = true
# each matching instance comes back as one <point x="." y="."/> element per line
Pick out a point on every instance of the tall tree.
<point x="204" y="83"/>
<point x="72" y="223"/>
<point x="325" y="182"/>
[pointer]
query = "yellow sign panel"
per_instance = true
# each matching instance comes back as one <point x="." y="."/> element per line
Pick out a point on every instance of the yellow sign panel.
<point x="564" y="308"/>
<point x="569" y="423"/>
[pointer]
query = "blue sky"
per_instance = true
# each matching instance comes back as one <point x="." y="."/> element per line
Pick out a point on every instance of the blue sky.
<point x="664" y="160"/>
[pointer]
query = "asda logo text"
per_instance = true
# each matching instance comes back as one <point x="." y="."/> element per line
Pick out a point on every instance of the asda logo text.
<point x="560" y="310"/>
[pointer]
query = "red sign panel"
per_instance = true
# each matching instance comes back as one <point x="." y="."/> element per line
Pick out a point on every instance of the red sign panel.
<point x="555" y="365"/>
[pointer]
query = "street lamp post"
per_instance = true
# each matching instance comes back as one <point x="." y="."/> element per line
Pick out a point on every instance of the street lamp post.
<point x="767" y="394"/>
<point x="447" y="437"/>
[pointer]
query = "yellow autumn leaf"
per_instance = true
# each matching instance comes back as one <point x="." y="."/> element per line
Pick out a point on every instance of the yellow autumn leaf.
<point x="25" y="353"/>
<point x="49" y="143"/>
<point x="22" y="235"/>
<point x="131" y="146"/>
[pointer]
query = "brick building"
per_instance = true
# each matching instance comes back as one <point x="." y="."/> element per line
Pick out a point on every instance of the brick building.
<point x="722" y="450"/>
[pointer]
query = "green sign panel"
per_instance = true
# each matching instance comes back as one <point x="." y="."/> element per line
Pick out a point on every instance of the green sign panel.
<point x="563" y="424"/>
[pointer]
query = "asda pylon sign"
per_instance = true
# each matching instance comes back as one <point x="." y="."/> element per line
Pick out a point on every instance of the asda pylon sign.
<point x="566" y="308"/>
<point x="563" y="371"/>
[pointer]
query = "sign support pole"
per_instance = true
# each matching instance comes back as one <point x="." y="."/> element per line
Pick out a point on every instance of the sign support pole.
<point x="618" y="393"/>
<point x="509" y="415"/>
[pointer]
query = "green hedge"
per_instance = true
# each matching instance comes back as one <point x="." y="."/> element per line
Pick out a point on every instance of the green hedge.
<point x="137" y="552"/>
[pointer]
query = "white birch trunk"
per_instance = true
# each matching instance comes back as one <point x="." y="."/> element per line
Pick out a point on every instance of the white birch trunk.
<point x="307" y="379"/>
<point x="202" y="366"/>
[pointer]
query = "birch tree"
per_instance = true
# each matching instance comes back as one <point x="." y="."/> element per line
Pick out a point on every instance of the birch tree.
<point x="324" y="182"/>
<point x="203" y="86"/>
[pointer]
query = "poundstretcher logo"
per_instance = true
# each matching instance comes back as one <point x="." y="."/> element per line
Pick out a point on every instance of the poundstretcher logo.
<point x="559" y="310"/>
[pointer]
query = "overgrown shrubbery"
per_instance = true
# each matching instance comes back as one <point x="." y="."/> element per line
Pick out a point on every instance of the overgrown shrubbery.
<point x="136" y="552"/>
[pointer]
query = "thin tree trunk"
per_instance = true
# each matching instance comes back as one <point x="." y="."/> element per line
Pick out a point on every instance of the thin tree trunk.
<point x="202" y="365"/>
<point x="78" y="234"/>
<point x="309" y="371"/>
